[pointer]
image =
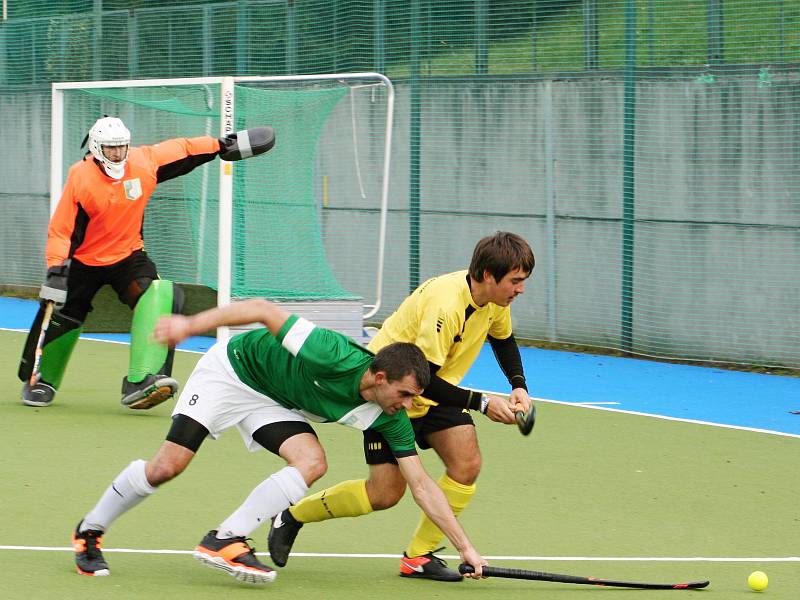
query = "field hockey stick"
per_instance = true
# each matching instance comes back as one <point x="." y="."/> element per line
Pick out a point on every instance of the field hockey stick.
<point x="555" y="577"/>
<point x="37" y="356"/>
<point x="525" y="422"/>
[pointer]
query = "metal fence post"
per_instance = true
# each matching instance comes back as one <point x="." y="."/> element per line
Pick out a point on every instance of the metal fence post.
<point x="590" y="38"/>
<point x="715" y="32"/>
<point x="414" y="150"/>
<point x="481" y="44"/>
<point x="628" y="174"/>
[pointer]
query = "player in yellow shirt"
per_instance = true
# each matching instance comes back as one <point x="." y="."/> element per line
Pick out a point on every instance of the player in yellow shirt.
<point x="449" y="317"/>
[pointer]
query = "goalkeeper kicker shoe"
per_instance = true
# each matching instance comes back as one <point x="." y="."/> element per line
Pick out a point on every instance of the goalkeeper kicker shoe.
<point x="38" y="394"/>
<point x="88" y="557"/>
<point x="235" y="556"/>
<point x="282" y="534"/>
<point x="150" y="392"/>
<point x="428" y="566"/>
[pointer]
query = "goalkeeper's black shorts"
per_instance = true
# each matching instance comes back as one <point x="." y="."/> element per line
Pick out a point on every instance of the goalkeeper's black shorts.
<point x="129" y="277"/>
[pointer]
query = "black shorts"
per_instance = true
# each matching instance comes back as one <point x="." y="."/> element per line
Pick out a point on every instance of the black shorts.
<point x="438" y="418"/>
<point x="129" y="277"/>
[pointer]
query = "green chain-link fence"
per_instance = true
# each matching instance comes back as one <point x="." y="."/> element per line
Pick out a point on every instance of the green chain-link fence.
<point x="648" y="149"/>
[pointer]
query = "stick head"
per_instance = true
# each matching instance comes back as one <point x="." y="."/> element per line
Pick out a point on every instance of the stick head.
<point x="525" y="422"/>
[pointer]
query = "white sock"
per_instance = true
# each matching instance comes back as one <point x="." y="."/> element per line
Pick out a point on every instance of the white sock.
<point x="276" y="493"/>
<point x="128" y="489"/>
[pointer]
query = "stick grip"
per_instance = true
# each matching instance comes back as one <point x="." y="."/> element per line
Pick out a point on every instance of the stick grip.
<point x="488" y="571"/>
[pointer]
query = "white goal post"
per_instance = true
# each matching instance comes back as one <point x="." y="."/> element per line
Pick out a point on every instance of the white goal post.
<point x="227" y="94"/>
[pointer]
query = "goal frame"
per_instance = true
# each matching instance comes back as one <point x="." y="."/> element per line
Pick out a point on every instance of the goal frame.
<point x="227" y="95"/>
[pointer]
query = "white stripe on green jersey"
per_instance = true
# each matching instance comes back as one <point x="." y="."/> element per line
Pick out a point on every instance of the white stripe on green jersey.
<point x="317" y="372"/>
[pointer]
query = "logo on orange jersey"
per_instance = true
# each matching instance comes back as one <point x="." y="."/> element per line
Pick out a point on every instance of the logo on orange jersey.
<point x="133" y="189"/>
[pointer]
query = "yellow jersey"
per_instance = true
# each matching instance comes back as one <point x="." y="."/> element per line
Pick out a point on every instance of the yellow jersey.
<point x="441" y="318"/>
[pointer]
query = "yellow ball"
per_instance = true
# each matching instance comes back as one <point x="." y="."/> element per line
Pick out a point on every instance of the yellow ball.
<point x="758" y="581"/>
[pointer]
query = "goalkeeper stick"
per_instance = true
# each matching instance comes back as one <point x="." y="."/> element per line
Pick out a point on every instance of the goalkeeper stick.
<point x="555" y="577"/>
<point x="37" y="356"/>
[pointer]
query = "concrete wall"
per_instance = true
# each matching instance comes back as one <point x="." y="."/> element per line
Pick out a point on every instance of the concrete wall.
<point x="717" y="205"/>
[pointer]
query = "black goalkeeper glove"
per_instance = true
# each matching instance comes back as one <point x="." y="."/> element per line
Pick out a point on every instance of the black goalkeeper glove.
<point x="54" y="288"/>
<point x="246" y="143"/>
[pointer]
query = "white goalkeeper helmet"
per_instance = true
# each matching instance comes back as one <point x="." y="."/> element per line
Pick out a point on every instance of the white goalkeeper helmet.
<point x="110" y="131"/>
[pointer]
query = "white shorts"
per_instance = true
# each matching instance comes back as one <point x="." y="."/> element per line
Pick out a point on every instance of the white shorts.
<point x="215" y="397"/>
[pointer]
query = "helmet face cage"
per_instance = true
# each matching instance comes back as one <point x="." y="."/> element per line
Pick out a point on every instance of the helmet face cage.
<point x="109" y="131"/>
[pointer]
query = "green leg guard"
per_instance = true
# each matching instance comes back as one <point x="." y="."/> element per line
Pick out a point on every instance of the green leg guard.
<point x="161" y="298"/>
<point x="59" y="342"/>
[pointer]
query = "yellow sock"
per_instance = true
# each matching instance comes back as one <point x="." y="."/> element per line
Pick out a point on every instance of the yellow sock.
<point x="428" y="536"/>
<point x="345" y="499"/>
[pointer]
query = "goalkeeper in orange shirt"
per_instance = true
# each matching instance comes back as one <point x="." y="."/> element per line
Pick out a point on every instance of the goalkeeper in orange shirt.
<point x="95" y="238"/>
<point x="449" y="317"/>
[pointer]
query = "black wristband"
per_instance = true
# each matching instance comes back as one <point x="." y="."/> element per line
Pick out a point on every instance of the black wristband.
<point x="475" y="401"/>
<point x="518" y="381"/>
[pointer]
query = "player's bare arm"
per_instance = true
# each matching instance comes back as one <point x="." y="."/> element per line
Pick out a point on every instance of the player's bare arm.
<point x="175" y="328"/>
<point x="432" y="501"/>
<point x="520" y="400"/>
<point x="500" y="409"/>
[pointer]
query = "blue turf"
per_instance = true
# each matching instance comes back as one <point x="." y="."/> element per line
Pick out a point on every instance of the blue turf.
<point x="680" y="391"/>
<point x="18" y="314"/>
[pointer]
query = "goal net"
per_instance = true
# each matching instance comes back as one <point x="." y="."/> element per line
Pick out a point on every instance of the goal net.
<point x="306" y="219"/>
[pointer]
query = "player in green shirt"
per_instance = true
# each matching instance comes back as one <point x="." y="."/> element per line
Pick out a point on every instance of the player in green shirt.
<point x="449" y="318"/>
<point x="270" y="383"/>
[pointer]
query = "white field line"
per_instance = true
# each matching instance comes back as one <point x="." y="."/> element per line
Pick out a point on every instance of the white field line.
<point x="596" y="403"/>
<point x="595" y="406"/>
<point x="591" y="405"/>
<point x="678" y="419"/>
<point x="721" y="559"/>
<point x="88" y="338"/>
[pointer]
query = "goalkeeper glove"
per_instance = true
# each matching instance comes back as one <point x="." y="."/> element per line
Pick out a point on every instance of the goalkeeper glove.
<point x="54" y="287"/>
<point x="246" y="143"/>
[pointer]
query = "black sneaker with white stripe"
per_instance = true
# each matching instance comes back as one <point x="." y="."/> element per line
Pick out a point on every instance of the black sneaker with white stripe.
<point x="282" y="534"/>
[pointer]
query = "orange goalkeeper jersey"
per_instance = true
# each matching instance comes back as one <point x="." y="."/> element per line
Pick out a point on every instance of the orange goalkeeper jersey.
<point x="98" y="219"/>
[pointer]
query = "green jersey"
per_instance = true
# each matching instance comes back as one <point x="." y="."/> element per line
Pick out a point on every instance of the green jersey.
<point x="317" y="372"/>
